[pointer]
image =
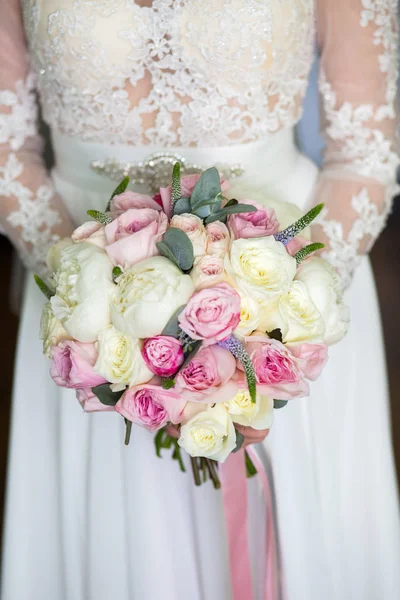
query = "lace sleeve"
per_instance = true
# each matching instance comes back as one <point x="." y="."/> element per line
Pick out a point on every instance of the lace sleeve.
<point x="31" y="214"/>
<point x="358" y="82"/>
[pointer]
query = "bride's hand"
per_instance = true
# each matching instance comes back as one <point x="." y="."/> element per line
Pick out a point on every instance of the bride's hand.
<point x="251" y="436"/>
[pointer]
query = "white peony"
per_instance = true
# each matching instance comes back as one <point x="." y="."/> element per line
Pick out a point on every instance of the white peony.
<point x="324" y="287"/>
<point x="259" y="414"/>
<point x="261" y="268"/>
<point x="120" y="359"/>
<point x="209" y="433"/>
<point x="250" y="314"/>
<point x="296" y="316"/>
<point x="83" y="286"/>
<point x="54" y="254"/>
<point x="51" y="330"/>
<point x="147" y="295"/>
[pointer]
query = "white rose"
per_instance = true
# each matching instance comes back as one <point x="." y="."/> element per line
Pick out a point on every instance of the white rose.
<point x="194" y="229"/>
<point x="51" y="330"/>
<point x="209" y="433"/>
<point x="83" y="287"/>
<point x="250" y="314"/>
<point x="259" y="414"/>
<point x="147" y="295"/>
<point x="324" y="287"/>
<point x="296" y="316"/>
<point x="218" y="239"/>
<point x="91" y="232"/>
<point x="286" y="212"/>
<point x="208" y="271"/>
<point x="120" y="359"/>
<point x="54" y="254"/>
<point x="261" y="268"/>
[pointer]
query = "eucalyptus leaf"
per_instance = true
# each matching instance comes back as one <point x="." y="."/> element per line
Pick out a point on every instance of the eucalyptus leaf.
<point x="231" y="202"/>
<point x="121" y="187"/>
<point x="195" y="347"/>
<point x="214" y="203"/>
<point x="182" y="206"/>
<point x="239" y="441"/>
<point x="128" y="432"/>
<point x="166" y="251"/>
<point x="221" y="215"/>
<point x="106" y="395"/>
<point x="207" y="188"/>
<point x="181" y="247"/>
<point x="172" y="327"/>
<point x="280" y="403"/>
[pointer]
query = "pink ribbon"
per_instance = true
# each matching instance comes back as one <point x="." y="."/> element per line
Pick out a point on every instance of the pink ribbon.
<point x="234" y="492"/>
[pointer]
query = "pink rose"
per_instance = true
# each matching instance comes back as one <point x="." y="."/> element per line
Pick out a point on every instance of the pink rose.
<point x="72" y="365"/>
<point x="218" y="239"/>
<point x="151" y="406"/>
<point x="211" y="314"/>
<point x="91" y="232"/>
<point x="296" y="244"/>
<point x="90" y="402"/>
<point x="277" y="370"/>
<point x="208" y="271"/>
<point x="208" y="376"/>
<point x="194" y="229"/>
<point x="261" y="223"/>
<point x="187" y="186"/>
<point x="132" y="236"/>
<point x="163" y="355"/>
<point x="128" y="199"/>
<point x="312" y="358"/>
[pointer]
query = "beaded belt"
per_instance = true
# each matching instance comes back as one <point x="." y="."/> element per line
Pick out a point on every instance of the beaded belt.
<point x="156" y="170"/>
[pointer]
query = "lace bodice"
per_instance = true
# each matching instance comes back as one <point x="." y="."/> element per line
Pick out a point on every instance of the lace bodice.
<point x="189" y="73"/>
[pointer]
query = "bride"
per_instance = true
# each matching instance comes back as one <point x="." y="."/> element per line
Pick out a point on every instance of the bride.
<point x="210" y="81"/>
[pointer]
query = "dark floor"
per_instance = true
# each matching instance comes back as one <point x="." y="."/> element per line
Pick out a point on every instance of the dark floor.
<point x="386" y="261"/>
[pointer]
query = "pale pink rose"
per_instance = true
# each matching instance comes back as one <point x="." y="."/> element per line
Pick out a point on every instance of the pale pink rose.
<point x="211" y="314"/>
<point x="132" y="236"/>
<point x="208" y="376"/>
<point x="208" y="271"/>
<point x="312" y="358"/>
<point x="194" y="229"/>
<point x="261" y="223"/>
<point x="91" y="232"/>
<point x="218" y="239"/>
<point x="277" y="371"/>
<point x="151" y="406"/>
<point x="123" y="202"/>
<point x="296" y="244"/>
<point x="90" y="402"/>
<point x="163" y="355"/>
<point x="187" y="186"/>
<point x="72" y="365"/>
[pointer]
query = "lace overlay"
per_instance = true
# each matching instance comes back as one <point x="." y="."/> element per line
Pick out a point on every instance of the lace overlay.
<point x="183" y="72"/>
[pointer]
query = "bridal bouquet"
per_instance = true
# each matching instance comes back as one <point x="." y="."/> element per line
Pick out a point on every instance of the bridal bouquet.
<point x="190" y="308"/>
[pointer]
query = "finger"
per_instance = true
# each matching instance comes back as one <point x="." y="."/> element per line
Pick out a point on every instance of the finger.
<point x="173" y="431"/>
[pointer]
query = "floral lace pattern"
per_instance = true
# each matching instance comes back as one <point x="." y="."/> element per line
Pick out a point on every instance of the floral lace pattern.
<point x="178" y="72"/>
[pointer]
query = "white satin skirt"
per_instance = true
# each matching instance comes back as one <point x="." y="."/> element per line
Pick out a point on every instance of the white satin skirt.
<point x="90" y="519"/>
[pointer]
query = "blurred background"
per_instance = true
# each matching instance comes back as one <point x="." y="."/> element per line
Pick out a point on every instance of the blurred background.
<point x="385" y="258"/>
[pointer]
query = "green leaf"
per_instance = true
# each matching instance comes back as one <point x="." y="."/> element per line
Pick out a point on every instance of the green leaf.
<point x="176" y="183"/>
<point x="207" y="188"/>
<point x="158" y="441"/>
<point x="166" y="251"/>
<point x="168" y="383"/>
<point x="172" y="327"/>
<point x="231" y="202"/>
<point x="116" y="272"/>
<point x="180" y="246"/>
<point x="43" y="287"/>
<point x="280" y="403"/>
<point x="106" y="395"/>
<point x="250" y="468"/>
<point x="182" y="206"/>
<point x="121" y="187"/>
<point x="306" y="251"/>
<point x="221" y="215"/>
<point x="194" y="348"/>
<point x="99" y="216"/>
<point x="275" y="334"/>
<point x="239" y="441"/>
<point x="128" y="432"/>
<point x="215" y="203"/>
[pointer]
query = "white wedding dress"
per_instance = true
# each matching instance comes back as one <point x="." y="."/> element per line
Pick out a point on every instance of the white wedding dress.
<point x="212" y="81"/>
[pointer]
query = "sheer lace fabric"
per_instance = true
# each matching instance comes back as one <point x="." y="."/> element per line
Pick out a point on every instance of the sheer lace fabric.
<point x="31" y="213"/>
<point x="358" y="40"/>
